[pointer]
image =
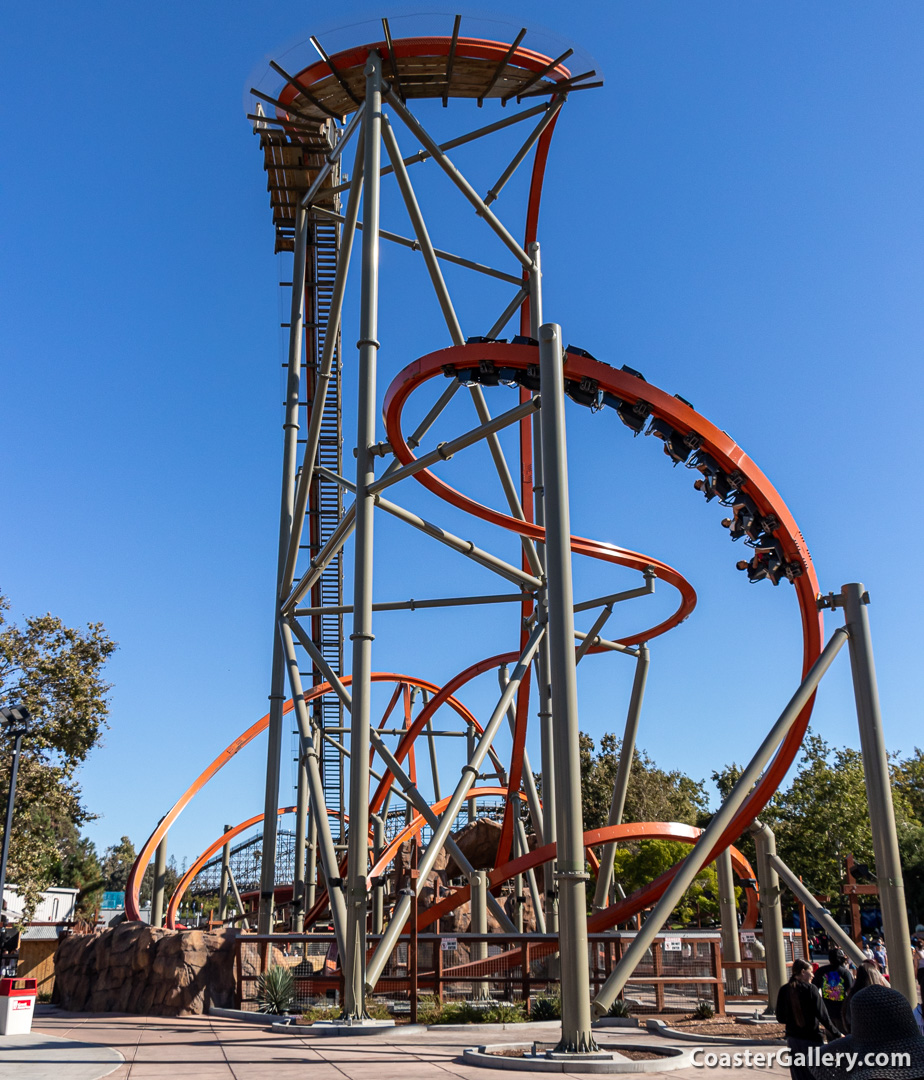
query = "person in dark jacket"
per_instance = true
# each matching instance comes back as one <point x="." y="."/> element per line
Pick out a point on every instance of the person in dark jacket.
<point x="834" y="981"/>
<point x="867" y="975"/>
<point x="799" y="1005"/>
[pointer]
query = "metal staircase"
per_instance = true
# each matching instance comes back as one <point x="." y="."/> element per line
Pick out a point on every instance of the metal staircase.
<point x="291" y="162"/>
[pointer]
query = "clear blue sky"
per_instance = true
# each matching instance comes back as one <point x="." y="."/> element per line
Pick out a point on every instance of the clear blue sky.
<point x="737" y="214"/>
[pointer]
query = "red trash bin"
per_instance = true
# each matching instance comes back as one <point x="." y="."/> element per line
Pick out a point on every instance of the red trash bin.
<point x="17" y="1005"/>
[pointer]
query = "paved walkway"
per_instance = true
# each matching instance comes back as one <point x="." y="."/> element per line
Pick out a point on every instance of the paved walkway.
<point x="206" y="1048"/>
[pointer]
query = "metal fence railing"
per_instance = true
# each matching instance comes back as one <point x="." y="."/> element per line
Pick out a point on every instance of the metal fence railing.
<point x="676" y="973"/>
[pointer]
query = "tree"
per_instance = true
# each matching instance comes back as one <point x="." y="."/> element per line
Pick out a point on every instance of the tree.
<point x="823" y="816"/>
<point x="117" y="864"/>
<point x="56" y="672"/>
<point x="652" y="793"/>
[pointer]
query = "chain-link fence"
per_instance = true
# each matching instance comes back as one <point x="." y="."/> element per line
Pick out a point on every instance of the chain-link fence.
<point x="749" y="980"/>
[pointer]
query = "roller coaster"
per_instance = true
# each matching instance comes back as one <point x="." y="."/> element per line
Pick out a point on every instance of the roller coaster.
<point x="355" y="98"/>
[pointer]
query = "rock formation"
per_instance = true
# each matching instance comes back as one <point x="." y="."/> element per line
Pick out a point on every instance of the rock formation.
<point x="136" y="968"/>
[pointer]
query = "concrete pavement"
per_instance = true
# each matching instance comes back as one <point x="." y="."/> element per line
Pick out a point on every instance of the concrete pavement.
<point x="207" y="1048"/>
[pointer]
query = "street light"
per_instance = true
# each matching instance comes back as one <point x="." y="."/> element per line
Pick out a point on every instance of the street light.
<point x="14" y="722"/>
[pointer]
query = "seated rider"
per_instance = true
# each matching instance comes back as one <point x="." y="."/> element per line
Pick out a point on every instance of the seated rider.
<point x="745" y="519"/>
<point x="766" y="563"/>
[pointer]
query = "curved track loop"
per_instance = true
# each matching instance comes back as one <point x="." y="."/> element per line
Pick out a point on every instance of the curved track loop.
<point x="684" y="419"/>
<point x="133" y="886"/>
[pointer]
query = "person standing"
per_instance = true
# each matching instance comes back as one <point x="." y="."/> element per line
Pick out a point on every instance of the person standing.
<point x="881" y="957"/>
<point x="834" y="982"/>
<point x="799" y="1005"/>
<point x="919" y="963"/>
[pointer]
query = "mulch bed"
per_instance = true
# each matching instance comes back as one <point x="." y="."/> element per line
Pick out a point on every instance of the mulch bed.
<point x="726" y="1027"/>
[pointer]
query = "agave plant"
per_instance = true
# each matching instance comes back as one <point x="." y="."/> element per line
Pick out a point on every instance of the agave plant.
<point x="704" y="1010"/>
<point x="276" y="991"/>
<point x="545" y="1008"/>
<point x="620" y="1009"/>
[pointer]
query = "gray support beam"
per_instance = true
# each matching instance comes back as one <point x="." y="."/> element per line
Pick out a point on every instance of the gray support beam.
<point x="855" y="598"/>
<point x="311" y="868"/>
<point x="537" y="898"/>
<point x="464" y="547"/>
<point x="503" y="472"/>
<point x="378" y="887"/>
<point x="728" y="913"/>
<point x="696" y="860"/>
<point x="478" y="885"/>
<point x="315" y="786"/>
<point x="460" y="140"/>
<point x="301" y="824"/>
<point x="354" y="957"/>
<point x="224" y="891"/>
<point x="446" y="450"/>
<point x="531" y="140"/>
<point x="576" y="1035"/>
<point x="325" y="365"/>
<point x="286" y="525"/>
<point x="423" y="237"/>
<point x="528" y="779"/>
<point x="470" y="750"/>
<point x="771" y="913"/>
<point x="828" y="923"/>
<point x="458" y="179"/>
<point x="416" y="801"/>
<point x="438" y="840"/>
<point x="160" y="881"/>
<point x="245" y="925"/>
<point x="623" y="771"/>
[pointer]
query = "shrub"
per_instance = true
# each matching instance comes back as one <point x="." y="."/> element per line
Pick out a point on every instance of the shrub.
<point x="320" y="1012"/>
<point x="429" y="1009"/>
<point x="378" y="1010"/>
<point x="620" y="1009"/>
<point x="504" y="1012"/>
<point x="276" y="991"/>
<point x="704" y="1010"/>
<point x="546" y="1008"/>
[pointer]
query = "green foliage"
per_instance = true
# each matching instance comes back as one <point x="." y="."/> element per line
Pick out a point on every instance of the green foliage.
<point x="78" y="867"/>
<point x="377" y="1010"/>
<point x="276" y="991"/>
<point x="704" y="1010"/>
<point x="621" y="1009"/>
<point x="506" y="1012"/>
<point x="117" y="864"/>
<point x="429" y="1009"/>
<point x="652" y="794"/>
<point x="823" y="816"/>
<point x="320" y="1012"/>
<point x="546" y="1008"/>
<point x="56" y="672"/>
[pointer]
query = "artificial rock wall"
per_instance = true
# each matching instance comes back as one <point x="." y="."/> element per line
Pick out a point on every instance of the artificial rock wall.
<point x="136" y="968"/>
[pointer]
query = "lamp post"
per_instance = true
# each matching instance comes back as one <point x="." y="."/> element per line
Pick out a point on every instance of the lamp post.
<point x="14" y="722"/>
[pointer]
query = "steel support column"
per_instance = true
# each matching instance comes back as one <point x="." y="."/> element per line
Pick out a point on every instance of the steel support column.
<point x="160" y="883"/>
<point x="478" y="884"/>
<point x="571" y="877"/>
<point x="771" y="914"/>
<point x="855" y="598"/>
<point x="621" y="784"/>
<point x="224" y="891"/>
<point x="286" y="522"/>
<point x="728" y="913"/>
<point x="696" y="860"/>
<point x="354" y="960"/>
<point x="301" y="824"/>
